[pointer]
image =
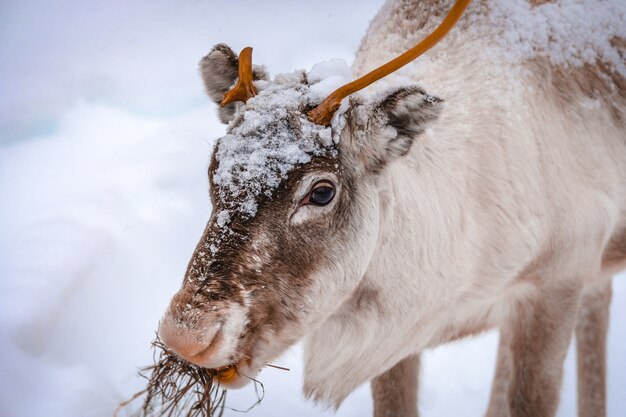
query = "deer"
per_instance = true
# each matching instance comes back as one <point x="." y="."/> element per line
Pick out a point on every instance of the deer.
<point x="476" y="188"/>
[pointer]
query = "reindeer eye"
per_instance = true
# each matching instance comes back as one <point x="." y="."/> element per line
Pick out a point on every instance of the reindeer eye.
<point x="323" y="193"/>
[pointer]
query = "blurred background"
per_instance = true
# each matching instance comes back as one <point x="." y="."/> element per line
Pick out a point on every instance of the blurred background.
<point x="105" y="139"/>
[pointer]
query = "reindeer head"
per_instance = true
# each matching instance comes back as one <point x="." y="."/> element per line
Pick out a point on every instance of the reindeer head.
<point x="296" y="208"/>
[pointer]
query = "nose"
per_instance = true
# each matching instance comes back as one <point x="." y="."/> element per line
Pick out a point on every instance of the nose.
<point x="204" y="332"/>
<point x="203" y="343"/>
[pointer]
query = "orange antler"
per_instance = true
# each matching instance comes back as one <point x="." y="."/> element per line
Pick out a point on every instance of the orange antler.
<point x="323" y="113"/>
<point x="244" y="88"/>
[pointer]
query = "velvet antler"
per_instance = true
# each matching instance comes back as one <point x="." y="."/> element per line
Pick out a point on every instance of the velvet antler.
<point x="323" y="113"/>
<point x="244" y="89"/>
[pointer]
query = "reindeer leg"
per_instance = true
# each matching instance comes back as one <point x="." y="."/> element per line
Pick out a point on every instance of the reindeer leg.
<point x="591" y="331"/>
<point x="498" y="402"/>
<point x="533" y="346"/>
<point x="395" y="391"/>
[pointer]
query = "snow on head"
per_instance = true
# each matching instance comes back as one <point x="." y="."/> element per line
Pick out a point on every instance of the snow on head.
<point x="270" y="135"/>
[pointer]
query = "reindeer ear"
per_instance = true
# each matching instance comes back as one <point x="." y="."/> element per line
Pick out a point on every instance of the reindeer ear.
<point x="409" y="111"/>
<point x="219" y="72"/>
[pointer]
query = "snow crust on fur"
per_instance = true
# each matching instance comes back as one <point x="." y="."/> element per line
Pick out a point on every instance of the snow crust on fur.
<point x="271" y="135"/>
<point x="568" y="32"/>
<point x="491" y="44"/>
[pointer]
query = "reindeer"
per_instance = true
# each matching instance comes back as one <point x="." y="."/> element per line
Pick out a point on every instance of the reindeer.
<point x="406" y="219"/>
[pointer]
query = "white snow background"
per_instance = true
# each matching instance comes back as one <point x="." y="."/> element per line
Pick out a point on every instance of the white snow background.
<point x="105" y="139"/>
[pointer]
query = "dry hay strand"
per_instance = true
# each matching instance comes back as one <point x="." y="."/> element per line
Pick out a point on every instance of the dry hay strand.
<point x="179" y="388"/>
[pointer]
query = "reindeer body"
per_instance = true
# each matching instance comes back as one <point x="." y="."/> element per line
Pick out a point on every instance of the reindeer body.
<point x="517" y="196"/>
<point x="509" y="211"/>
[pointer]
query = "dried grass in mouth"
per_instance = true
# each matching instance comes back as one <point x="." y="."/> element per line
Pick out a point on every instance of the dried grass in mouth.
<point x="177" y="388"/>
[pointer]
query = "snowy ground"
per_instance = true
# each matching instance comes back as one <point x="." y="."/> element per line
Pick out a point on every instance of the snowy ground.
<point x="105" y="136"/>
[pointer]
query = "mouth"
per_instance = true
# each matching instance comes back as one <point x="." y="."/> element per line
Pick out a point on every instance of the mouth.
<point x="235" y="375"/>
<point x="226" y="374"/>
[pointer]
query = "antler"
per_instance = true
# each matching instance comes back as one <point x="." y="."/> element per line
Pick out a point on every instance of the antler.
<point x="244" y="88"/>
<point x="323" y="113"/>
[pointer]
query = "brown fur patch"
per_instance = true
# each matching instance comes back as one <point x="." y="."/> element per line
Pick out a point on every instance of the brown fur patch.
<point x="535" y="3"/>
<point x="534" y="271"/>
<point x="395" y="391"/>
<point x="365" y="298"/>
<point x="539" y="341"/>
<point x="595" y="82"/>
<point x="591" y="332"/>
<point x="615" y="252"/>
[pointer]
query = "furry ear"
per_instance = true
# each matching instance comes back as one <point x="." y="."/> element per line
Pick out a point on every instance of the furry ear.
<point x="377" y="134"/>
<point x="409" y="111"/>
<point x="219" y="72"/>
